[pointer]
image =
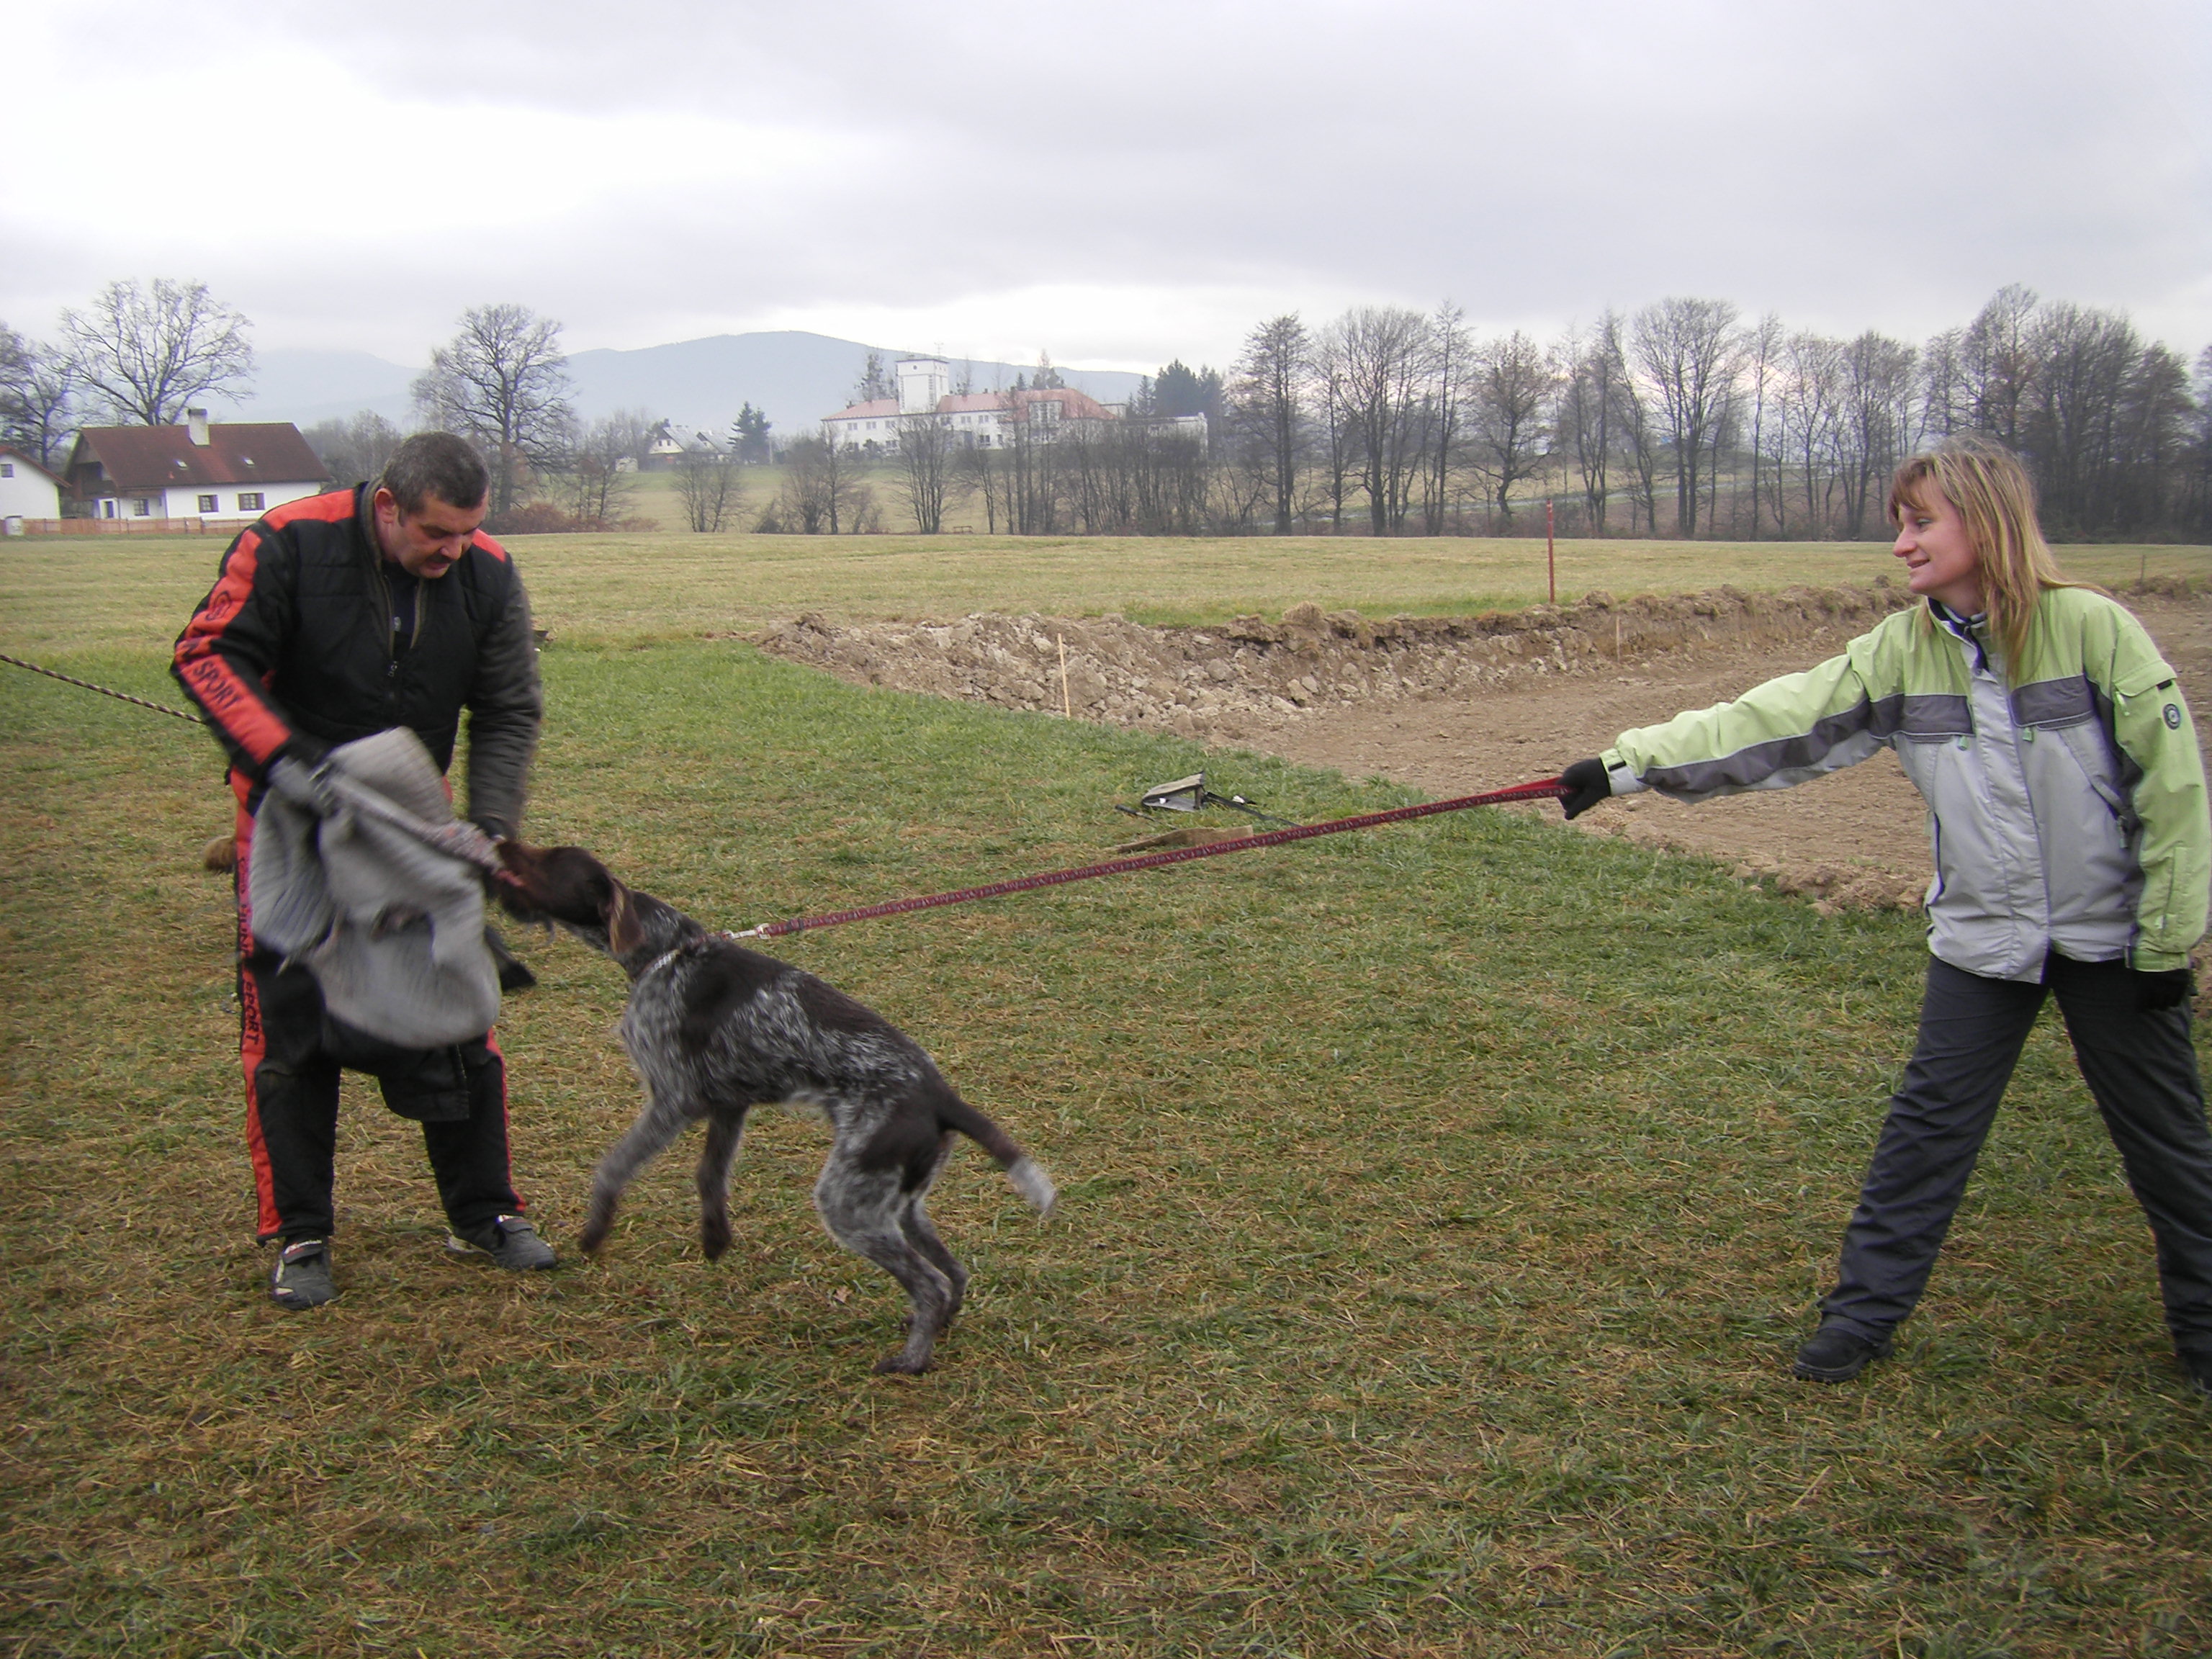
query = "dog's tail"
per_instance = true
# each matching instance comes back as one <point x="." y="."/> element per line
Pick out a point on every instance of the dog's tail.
<point x="1026" y="1175"/>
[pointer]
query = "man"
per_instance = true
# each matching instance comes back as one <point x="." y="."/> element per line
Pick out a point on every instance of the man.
<point x="332" y="618"/>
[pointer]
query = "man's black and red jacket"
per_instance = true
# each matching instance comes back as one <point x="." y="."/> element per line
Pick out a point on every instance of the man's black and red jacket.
<point x="293" y="650"/>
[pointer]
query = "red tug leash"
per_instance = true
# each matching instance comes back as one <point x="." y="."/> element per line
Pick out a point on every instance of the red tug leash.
<point x="1547" y="789"/>
<point x="1544" y="789"/>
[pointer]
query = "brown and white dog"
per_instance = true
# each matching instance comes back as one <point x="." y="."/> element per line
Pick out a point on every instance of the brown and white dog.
<point x="715" y="1029"/>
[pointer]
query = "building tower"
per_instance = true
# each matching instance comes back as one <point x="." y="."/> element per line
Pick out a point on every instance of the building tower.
<point x="921" y="382"/>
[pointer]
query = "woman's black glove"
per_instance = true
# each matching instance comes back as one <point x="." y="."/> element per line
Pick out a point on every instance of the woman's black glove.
<point x="1588" y="784"/>
<point x="2169" y="988"/>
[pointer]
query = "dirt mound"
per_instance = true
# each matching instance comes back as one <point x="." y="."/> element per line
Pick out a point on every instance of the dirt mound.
<point x="1458" y="705"/>
<point x="1189" y="680"/>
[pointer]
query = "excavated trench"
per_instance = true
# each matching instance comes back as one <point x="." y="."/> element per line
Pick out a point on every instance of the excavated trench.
<point x="1457" y="704"/>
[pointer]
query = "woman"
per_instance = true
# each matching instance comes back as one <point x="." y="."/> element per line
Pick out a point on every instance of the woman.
<point x="2066" y="805"/>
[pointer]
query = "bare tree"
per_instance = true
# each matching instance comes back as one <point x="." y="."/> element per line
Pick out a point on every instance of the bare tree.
<point x="1686" y="349"/>
<point x="1639" y="448"/>
<point x="1943" y="404"/>
<point x="1812" y="413"/>
<point x="1762" y="351"/>
<point x="36" y="388"/>
<point x="2194" y="499"/>
<point x="1596" y="370"/>
<point x="1442" y="417"/>
<point x="1997" y="360"/>
<point x="924" y="454"/>
<point x="2104" y="421"/>
<point x="1513" y="385"/>
<point x="355" y="449"/>
<point x="706" y="484"/>
<point x="1267" y="400"/>
<point x="1877" y="423"/>
<point x="1385" y="356"/>
<point x="601" y="477"/>
<point x="147" y="355"/>
<point x="805" y="502"/>
<point x="1338" y="426"/>
<point x="822" y="487"/>
<point x="978" y="472"/>
<point x="502" y="380"/>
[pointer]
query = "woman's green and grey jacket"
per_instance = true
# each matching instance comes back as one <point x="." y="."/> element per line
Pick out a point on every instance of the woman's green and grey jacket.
<point x="2066" y="808"/>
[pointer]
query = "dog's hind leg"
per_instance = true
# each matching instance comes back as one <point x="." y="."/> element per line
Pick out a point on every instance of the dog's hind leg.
<point x="922" y="1233"/>
<point x="723" y="1129"/>
<point x="655" y="1127"/>
<point x="862" y="1210"/>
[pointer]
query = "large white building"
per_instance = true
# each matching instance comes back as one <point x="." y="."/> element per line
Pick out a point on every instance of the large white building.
<point x="980" y="420"/>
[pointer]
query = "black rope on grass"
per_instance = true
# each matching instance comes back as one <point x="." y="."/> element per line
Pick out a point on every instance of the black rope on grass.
<point x="106" y="691"/>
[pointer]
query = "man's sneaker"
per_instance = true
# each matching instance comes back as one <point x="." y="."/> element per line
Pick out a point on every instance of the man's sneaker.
<point x="510" y="1240"/>
<point x="302" y="1279"/>
<point x="1837" y="1354"/>
<point x="2198" y="1368"/>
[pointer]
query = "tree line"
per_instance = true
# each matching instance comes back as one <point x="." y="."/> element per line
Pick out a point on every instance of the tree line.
<point x="1684" y="418"/>
<point x="1680" y="419"/>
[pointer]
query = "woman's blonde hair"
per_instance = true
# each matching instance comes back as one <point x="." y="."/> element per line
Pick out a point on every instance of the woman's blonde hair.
<point x="1995" y="499"/>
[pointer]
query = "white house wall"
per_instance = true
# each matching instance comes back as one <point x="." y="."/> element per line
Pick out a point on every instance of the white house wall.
<point x="29" y="493"/>
<point x="985" y="429"/>
<point x="184" y="502"/>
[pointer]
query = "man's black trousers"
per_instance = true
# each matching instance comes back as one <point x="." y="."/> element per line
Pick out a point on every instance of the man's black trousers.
<point x="2141" y="1068"/>
<point x="291" y="1054"/>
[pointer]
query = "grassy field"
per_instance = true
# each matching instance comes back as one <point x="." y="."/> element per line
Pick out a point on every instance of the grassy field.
<point x="88" y="593"/>
<point x="1441" y="1206"/>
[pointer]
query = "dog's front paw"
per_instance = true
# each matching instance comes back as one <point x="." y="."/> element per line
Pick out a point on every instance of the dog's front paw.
<point x="900" y="1364"/>
<point x="714" y="1237"/>
<point x="591" y="1238"/>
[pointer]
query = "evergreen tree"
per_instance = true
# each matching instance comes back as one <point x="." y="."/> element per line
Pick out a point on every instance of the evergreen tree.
<point x="749" y="436"/>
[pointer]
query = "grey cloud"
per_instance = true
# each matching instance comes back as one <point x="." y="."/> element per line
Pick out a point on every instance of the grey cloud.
<point x="1886" y="164"/>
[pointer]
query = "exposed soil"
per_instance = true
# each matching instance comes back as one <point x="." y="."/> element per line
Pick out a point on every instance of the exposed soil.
<point x="1457" y="705"/>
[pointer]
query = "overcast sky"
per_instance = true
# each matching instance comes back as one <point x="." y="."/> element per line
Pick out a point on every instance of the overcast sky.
<point x="1115" y="181"/>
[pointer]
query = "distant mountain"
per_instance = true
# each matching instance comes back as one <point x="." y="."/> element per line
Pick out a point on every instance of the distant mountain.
<point x="796" y="377"/>
<point x="304" y="387"/>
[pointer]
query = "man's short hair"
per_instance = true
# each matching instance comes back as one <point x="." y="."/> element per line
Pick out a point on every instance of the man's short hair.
<point x="436" y="464"/>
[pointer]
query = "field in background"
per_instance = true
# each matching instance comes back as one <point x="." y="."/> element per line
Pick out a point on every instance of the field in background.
<point x="1441" y="1206"/>
<point x="98" y="591"/>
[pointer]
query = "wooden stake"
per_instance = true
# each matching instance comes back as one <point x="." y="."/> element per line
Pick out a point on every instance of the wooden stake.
<point x="1067" y="707"/>
<point x="1550" y="557"/>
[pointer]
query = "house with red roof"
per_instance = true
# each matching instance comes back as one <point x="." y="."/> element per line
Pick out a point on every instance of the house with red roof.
<point x="978" y="419"/>
<point x="235" y="471"/>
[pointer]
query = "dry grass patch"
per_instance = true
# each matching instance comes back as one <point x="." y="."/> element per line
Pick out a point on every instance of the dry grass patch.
<point x="1441" y="1204"/>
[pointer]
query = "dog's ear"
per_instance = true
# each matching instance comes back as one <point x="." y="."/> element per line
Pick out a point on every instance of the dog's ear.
<point x="624" y="932"/>
<point x="511" y="885"/>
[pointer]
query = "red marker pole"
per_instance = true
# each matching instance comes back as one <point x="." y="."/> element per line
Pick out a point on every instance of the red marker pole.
<point x="1551" y="555"/>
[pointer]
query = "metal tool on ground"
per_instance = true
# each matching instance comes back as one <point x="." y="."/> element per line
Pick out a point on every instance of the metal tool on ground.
<point x="1190" y="794"/>
<point x="1543" y="789"/>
